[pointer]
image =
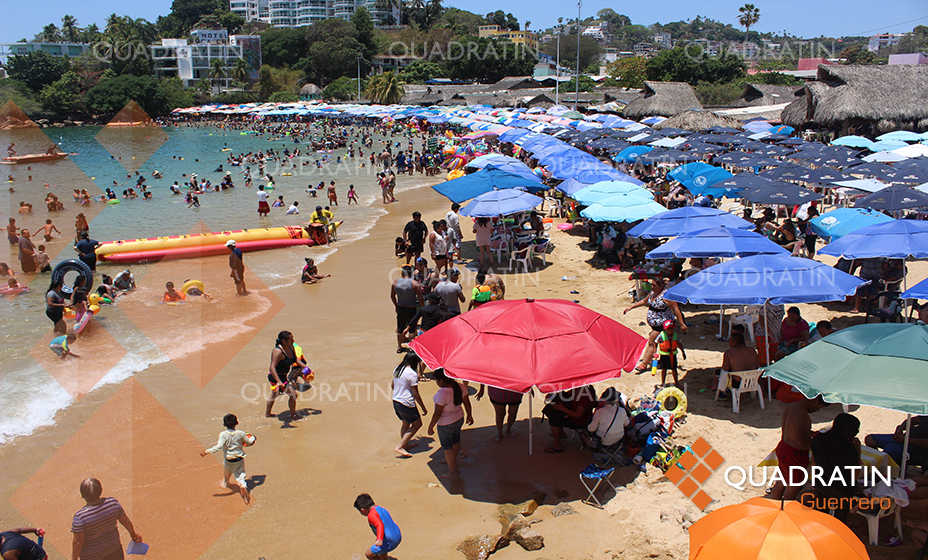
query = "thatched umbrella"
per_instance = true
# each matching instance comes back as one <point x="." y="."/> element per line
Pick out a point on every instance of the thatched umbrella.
<point x="662" y="98"/>
<point x="310" y="91"/>
<point x="756" y="95"/>
<point x="697" y="119"/>
<point x="889" y="97"/>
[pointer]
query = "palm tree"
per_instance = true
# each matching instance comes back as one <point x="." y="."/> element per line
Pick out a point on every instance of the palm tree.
<point x="240" y="71"/>
<point x="114" y="25"/>
<point x="90" y="34"/>
<point x="386" y="89"/>
<point x="69" y="28"/>
<point x="50" y="33"/>
<point x="749" y="16"/>
<point x="528" y="24"/>
<point x="217" y="72"/>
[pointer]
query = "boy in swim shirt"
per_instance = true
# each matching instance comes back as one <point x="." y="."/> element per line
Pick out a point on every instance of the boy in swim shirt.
<point x="387" y="533"/>
<point x="59" y="345"/>
<point x="172" y="295"/>
<point x="232" y="444"/>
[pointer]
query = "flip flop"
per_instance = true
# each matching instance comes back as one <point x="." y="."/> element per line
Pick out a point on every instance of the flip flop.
<point x="553" y="450"/>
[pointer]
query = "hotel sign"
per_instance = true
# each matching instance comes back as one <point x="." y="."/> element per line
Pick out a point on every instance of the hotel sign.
<point x="210" y="36"/>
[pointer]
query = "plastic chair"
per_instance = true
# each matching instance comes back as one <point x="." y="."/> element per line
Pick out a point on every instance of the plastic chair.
<point x="750" y="383"/>
<point x="593" y="473"/>
<point x="799" y="248"/>
<point x="540" y="249"/>
<point x="500" y="245"/>
<point x="747" y="319"/>
<point x="555" y="208"/>
<point x="873" y="522"/>
<point x="521" y="256"/>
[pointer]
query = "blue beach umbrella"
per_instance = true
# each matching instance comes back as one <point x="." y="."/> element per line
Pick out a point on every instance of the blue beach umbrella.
<point x="686" y="220"/>
<point x="631" y="153"/>
<point x="897" y="239"/>
<point x="853" y="142"/>
<point x="485" y="180"/>
<point x="606" y="189"/>
<point x="697" y="177"/>
<point x="887" y="145"/>
<point x="717" y="242"/>
<point x="765" y="278"/>
<point x="778" y="192"/>
<point x="590" y="174"/>
<point x="500" y="203"/>
<point x="901" y="135"/>
<point x="893" y="197"/>
<point x="839" y="222"/>
<point x="622" y="208"/>
<point x="918" y="291"/>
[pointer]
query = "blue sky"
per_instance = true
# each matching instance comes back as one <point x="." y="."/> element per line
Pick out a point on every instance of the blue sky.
<point x="805" y="18"/>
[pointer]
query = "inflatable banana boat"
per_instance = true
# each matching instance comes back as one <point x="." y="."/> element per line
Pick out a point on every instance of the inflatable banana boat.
<point x="208" y="244"/>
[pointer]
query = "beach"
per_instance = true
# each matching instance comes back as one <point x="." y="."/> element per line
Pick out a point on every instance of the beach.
<point x="308" y="472"/>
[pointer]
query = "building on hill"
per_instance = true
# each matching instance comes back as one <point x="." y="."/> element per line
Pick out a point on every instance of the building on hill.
<point x="300" y="13"/>
<point x="71" y="50"/>
<point x="869" y="99"/>
<point x="911" y="58"/>
<point x="884" y="40"/>
<point x="662" y="98"/>
<point x="192" y="59"/>
<point x="663" y="39"/>
<point x="527" y="38"/>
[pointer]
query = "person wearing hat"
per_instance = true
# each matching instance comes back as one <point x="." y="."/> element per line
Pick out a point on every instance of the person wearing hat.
<point x="667" y="345"/>
<point x="238" y="267"/>
<point x="311" y="273"/>
<point x="432" y="314"/>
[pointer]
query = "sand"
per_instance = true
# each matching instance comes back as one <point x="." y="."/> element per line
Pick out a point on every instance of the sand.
<point x="141" y="437"/>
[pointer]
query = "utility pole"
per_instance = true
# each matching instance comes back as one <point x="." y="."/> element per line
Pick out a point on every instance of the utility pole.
<point x="359" y="79"/>
<point x="577" y="83"/>
<point x="557" y="67"/>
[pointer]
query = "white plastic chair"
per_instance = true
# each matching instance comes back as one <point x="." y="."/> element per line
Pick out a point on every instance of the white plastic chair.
<point x="747" y="319"/>
<point x="541" y="249"/>
<point x="500" y="245"/>
<point x="750" y="383"/>
<point x="873" y="522"/>
<point x="521" y="256"/>
<point x="555" y="208"/>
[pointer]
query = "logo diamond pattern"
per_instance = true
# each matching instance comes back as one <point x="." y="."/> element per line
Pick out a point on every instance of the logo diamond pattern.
<point x="693" y="469"/>
<point x="132" y="137"/>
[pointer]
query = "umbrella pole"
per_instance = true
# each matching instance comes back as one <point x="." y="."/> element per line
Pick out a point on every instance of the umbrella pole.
<point x="530" y="418"/>
<point x="767" y="347"/>
<point x="721" y="319"/>
<point x="905" y="445"/>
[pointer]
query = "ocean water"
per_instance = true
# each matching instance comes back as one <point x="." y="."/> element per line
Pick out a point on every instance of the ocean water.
<point x="34" y="388"/>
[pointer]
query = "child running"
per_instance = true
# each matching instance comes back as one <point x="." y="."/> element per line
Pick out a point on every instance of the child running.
<point x="232" y="443"/>
<point x="387" y="533"/>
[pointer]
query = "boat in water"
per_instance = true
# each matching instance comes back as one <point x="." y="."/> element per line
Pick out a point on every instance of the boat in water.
<point x="34" y="158"/>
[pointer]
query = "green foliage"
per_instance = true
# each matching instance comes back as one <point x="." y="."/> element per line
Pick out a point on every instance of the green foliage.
<point x="586" y="84"/>
<point x="282" y="46"/>
<point x="503" y="20"/>
<point x="589" y="50"/>
<point x="273" y="80"/>
<point x="749" y="16"/>
<point x="693" y="66"/>
<point x="342" y="89"/>
<point x="364" y="31"/>
<point x="616" y="21"/>
<point x="111" y="96"/>
<point x="174" y="93"/>
<point x="186" y="13"/>
<point x="460" y="22"/>
<point x="629" y="72"/>
<point x="240" y="71"/>
<point x="62" y="97"/>
<point x="712" y="94"/>
<point x="284" y="97"/>
<point x="334" y="51"/>
<point x="420" y="71"/>
<point x="37" y="69"/>
<point x="774" y="79"/>
<point x="20" y="94"/>
<point x="230" y="21"/>
<point x="857" y="54"/>
<point x="266" y="81"/>
<point x="385" y="89"/>
<point x="489" y="61"/>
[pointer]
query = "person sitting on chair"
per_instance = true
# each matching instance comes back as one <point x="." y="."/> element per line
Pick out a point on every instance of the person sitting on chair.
<point x="569" y="409"/>
<point x="610" y="419"/>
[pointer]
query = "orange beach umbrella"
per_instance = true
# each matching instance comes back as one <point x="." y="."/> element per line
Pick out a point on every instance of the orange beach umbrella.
<point x="765" y="529"/>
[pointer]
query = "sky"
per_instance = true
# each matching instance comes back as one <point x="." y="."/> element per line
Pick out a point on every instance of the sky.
<point x="803" y="18"/>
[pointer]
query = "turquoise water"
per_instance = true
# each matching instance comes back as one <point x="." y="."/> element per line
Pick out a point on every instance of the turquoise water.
<point x="23" y="322"/>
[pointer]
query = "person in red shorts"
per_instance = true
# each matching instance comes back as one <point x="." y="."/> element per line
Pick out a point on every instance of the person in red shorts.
<point x="795" y="444"/>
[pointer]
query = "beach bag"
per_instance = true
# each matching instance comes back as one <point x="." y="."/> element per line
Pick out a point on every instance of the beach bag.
<point x="642" y="425"/>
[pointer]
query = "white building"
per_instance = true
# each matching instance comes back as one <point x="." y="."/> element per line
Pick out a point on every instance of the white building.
<point x="600" y="32"/>
<point x="663" y="39"/>
<point x="72" y="50"/>
<point x="299" y="13"/>
<point x="882" y="40"/>
<point x="192" y="59"/>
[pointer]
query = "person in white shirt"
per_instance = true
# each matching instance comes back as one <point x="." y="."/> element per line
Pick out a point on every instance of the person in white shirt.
<point x="405" y="386"/>
<point x="232" y="444"/>
<point x="263" y="208"/>
<point x="610" y="419"/>
<point x="294" y="209"/>
<point x="454" y="231"/>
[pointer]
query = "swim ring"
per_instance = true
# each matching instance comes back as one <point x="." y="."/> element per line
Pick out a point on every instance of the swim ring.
<point x="672" y="400"/>
<point x="73" y="265"/>
<point x="192" y="284"/>
<point x="113" y="201"/>
<point x="8" y="291"/>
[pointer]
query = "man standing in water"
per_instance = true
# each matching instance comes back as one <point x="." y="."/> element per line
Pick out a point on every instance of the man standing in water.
<point x="238" y="267"/>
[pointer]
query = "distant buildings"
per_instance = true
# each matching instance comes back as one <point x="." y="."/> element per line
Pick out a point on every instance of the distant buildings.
<point x="299" y="13"/>
<point x="526" y="38"/>
<point x="663" y="39"/>
<point x="192" y="59"/>
<point x="599" y="32"/>
<point x="912" y="58"/>
<point x="882" y="40"/>
<point x="55" y="49"/>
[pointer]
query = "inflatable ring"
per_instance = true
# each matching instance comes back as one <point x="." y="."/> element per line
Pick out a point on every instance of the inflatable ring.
<point x="113" y="201"/>
<point x="679" y="398"/>
<point x="7" y="291"/>
<point x="192" y="284"/>
<point x="95" y="309"/>
<point x="68" y="313"/>
<point x="73" y="265"/>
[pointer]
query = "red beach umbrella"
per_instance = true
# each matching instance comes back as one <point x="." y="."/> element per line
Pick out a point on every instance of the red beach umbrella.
<point x="551" y="344"/>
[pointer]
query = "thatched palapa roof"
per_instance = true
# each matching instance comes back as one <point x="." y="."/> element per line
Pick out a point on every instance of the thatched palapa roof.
<point x="662" y="98"/>
<point x="310" y="89"/>
<point x="697" y="119"/>
<point x="762" y="94"/>
<point x="890" y="97"/>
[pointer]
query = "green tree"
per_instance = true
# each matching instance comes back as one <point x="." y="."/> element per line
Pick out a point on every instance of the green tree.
<point x="342" y="89"/>
<point x="49" y="34"/>
<point x="749" y="16"/>
<point x="62" y="97"/>
<point x="282" y="46"/>
<point x="503" y="20"/>
<point x="713" y="94"/>
<point x="386" y="89"/>
<point x="586" y="84"/>
<point x="857" y="54"/>
<point x="284" y="97"/>
<point x="69" y="30"/>
<point x="20" y="94"/>
<point x="488" y="61"/>
<point x="111" y="96"/>
<point x="333" y="51"/>
<point x="693" y="65"/>
<point x="185" y="13"/>
<point x="231" y="22"/>
<point x="589" y="50"/>
<point x="364" y="31"/>
<point x="91" y="34"/>
<point x="217" y="72"/>
<point x="37" y="69"/>
<point x="266" y="81"/>
<point x="240" y="71"/>
<point x="420" y="71"/>
<point x="629" y="72"/>
<point x="175" y="95"/>
<point x="616" y="21"/>
<point x="774" y="79"/>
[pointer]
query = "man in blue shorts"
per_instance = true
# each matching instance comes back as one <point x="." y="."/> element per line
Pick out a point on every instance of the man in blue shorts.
<point x="387" y="533"/>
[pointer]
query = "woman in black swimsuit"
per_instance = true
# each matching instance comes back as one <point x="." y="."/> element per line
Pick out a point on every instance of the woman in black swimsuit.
<point x="54" y="307"/>
<point x="283" y="359"/>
